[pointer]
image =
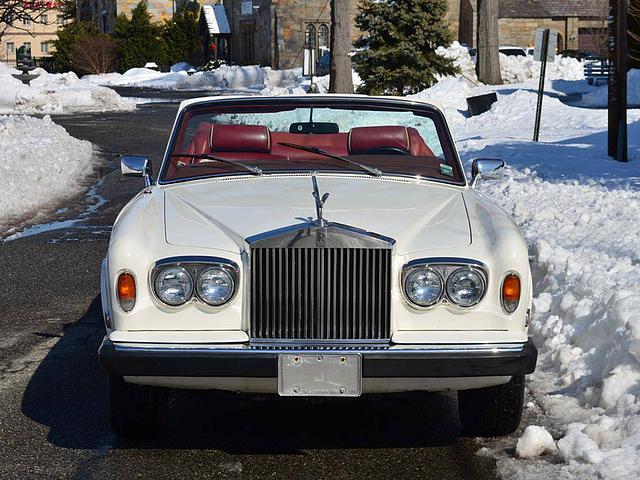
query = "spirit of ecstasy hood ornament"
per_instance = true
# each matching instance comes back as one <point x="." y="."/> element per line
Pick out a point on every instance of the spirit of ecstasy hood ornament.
<point x="319" y="202"/>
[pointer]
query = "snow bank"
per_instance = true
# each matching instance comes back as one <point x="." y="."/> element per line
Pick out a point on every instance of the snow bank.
<point x="534" y="442"/>
<point x="40" y="164"/>
<point x="600" y="96"/>
<point x="516" y="69"/>
<point x="250" y="78"/>
<point x="578" y="211"/>
<point x="57" y="93"/>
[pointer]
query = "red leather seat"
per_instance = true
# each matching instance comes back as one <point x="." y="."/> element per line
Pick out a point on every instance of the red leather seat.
<point x="366" y="140"/>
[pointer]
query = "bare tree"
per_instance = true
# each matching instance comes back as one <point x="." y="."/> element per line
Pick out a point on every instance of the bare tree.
<point x="94" y="54"/>
<point x="14" y="13"/>
<point x="340" y="79"/>
<point x="488" y="59"/>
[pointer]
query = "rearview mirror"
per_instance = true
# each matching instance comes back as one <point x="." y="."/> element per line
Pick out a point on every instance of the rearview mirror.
<point x="135" y="166"/>
<point x="486" y="168"/>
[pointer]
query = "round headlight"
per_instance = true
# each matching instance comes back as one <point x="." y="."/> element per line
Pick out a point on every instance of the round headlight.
<point x="465" y="287"/>
<point x="173" y="285"/>
<point x="423" y="286"/>
<point x="215" y="286"/>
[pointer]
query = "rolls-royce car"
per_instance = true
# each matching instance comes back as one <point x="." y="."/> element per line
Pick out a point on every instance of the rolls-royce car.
<point x="315" y="246"/>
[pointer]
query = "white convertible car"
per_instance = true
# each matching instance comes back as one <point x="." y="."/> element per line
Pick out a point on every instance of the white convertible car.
<point x="315" y="246"/>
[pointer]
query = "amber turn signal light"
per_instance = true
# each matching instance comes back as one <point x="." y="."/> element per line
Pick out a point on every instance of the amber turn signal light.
<point x="126" y="291"/>
<point x="511" y="293"/>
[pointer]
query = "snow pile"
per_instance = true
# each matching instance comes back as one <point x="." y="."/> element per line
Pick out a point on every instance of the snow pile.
<point x="534" y="442"/>
<point x="57" y="93"/>
<point x="600" y="96"/>
<point x="515" y="69"/>
<point x="461" y="58"/>
<point x="578" y="211"/>
<point x="520" y="69"/>
<point x="248" y="78"/>
<point x="40" y="163"/>
<point x="449" y="93"/>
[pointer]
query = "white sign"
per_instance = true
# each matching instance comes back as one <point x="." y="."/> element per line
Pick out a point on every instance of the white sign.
<point x="309" y="62"/>
<point x="551" y="49"/>
<point x="246" y="7"/>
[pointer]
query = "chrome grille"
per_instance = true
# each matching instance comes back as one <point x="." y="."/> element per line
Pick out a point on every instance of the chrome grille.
<point x="320" y="293"/>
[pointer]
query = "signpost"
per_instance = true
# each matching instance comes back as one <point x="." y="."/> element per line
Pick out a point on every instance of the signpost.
<point x="618" y="51"/>
<point x="545" y="50"/>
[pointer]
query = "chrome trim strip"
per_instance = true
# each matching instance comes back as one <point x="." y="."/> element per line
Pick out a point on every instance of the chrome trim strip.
<point x="496" y="348"/>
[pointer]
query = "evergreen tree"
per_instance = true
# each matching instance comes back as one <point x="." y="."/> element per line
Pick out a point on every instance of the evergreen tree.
<point x="138" y="40"/>
<point x="397" y="53"/>
<point x="181" y="37"/>
<point x="68" y="36"/>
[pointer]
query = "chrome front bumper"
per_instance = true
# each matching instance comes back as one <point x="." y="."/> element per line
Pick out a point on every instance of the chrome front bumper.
<point x="261" y="361"/>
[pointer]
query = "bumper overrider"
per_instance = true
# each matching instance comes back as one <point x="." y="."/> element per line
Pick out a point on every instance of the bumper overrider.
<point x="258" y="361"/>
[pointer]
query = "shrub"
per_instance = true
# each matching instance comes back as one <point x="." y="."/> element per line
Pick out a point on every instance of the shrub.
<point x="181" y="37"/>
<point x="94" y="54"/>
<point x="69" y="35"/>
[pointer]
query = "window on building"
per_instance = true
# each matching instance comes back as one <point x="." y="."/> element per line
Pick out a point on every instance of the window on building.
<point x="44" y="19"/>
<point x="26" y="22"/>
<point x="44" y="47"/>
<point x="105" y="27"/>
<point x="310" y="36"/>
<point x="59" y="19"/>
<point x="11" y="48"/>
<point x="323" y="36"/>
<point x="246" y="7"/>
<point x="27" y="45"/>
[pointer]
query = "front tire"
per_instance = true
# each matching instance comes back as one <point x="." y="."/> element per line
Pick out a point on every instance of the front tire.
<point x="136" y="410"/>
<point x="492" y="411"/>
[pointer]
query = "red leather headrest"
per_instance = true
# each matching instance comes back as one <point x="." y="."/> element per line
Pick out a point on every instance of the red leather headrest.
<point x="240" y="138"/>
<point x="364" y="139"/>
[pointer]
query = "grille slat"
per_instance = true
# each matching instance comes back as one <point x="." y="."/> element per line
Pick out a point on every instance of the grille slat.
<point x="320" y="293"/>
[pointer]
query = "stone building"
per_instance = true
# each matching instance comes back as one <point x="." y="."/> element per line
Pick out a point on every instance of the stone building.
<point x="581" y="24"/>
<point x="274" y="32"/>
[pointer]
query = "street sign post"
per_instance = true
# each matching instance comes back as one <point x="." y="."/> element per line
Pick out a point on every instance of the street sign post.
<point x="618" y="51"/>
<point x="545" y="50"/>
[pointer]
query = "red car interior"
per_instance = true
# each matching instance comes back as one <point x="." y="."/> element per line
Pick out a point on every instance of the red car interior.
<point x="258" y="143"/>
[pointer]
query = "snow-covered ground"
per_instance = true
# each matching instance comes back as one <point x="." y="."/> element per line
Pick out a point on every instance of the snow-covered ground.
<point x="40" y="165"/>
<point x="56" y="93"/>
<point x="578" y="210"/>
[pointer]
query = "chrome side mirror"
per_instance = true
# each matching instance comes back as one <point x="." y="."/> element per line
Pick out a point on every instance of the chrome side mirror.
<point x="486" y="168"/>
<point x="135" y="166"/>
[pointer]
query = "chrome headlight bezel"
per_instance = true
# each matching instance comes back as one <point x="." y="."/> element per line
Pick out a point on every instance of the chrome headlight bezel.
<point x="444" y="267"/>
<point x="195" y="266"/>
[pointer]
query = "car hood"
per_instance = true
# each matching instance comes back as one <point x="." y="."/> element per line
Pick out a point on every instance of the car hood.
<point x="221" y="214"/>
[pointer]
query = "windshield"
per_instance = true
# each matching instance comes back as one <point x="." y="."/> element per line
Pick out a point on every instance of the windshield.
<point x="265" y="137"/>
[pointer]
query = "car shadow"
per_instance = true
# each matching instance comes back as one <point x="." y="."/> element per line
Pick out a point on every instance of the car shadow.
<point x="67" y="393"/>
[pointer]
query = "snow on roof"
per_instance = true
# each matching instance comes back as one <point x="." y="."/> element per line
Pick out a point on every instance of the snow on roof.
<point x="216" y="19"/>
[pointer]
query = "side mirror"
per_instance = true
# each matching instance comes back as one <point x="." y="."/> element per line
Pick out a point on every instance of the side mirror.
<point x="134" y="166"/>
<point x="486" y="168"/>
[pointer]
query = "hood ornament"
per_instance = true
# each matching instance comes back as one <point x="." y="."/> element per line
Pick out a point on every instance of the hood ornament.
<point x="320" y="201"/>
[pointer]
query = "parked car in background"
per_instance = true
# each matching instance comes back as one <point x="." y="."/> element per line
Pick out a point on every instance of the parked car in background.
<point x="315" y="246"/>
<point x="531" y="51"/>
<point x="511" y="51"/>
<point x="582" y="55"/>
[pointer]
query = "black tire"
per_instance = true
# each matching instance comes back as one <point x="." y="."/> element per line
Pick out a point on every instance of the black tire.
<point x="136" y="410"/>
<point x="492" y="411"/>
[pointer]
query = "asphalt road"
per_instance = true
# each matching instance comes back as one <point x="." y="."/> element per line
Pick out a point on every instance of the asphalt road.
<point x="53" y="418"/>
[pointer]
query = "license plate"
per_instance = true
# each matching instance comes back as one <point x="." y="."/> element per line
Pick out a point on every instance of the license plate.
<point x="319" y="375"/>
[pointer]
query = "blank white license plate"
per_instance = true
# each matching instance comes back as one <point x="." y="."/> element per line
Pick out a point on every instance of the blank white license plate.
<point x="318" y="375"/>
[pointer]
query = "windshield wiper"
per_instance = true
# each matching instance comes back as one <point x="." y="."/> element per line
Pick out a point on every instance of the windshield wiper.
<point x="211" y="158"/>
<point x="370" y="170"/>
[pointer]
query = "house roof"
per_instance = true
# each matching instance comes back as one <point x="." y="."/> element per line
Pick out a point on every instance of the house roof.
<point x="216" y="18"/>
<point x="553" y="8"/>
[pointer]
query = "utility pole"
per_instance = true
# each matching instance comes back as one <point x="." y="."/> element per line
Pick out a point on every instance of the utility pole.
<point x="618" y="52"/>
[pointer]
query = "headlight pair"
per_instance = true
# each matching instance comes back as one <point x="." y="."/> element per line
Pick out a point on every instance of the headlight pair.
<point x="176" y="284"/>
<point x="425" y="285"/>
